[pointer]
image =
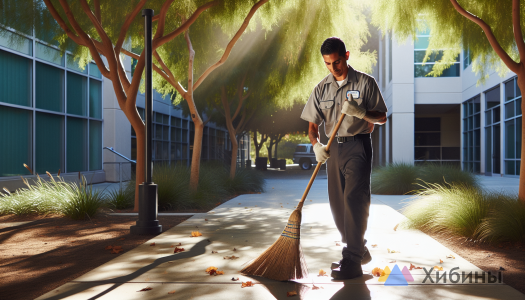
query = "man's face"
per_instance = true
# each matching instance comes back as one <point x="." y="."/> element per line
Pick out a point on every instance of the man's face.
<point x="336" y="64"/>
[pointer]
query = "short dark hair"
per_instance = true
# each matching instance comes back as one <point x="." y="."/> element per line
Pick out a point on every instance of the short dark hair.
<point x="333" y="45"/>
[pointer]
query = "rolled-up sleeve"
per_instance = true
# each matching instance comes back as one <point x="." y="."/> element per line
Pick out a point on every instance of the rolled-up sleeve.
<point x="311" y="111"/>
<point x="375" y="101"/>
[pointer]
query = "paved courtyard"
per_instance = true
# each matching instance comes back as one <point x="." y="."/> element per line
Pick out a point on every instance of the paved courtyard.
<point x="251" y="223"/>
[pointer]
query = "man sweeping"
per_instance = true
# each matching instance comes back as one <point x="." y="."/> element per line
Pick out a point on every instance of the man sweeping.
<point x="357" y="95"/>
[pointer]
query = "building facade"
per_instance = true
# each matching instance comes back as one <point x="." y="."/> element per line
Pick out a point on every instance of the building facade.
<point x="56" y="117"/>
<point x="448" y="119"/>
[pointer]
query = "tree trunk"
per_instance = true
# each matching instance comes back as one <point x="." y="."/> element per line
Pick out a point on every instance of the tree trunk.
<point x="235" y="147"/>
<point x="256" y="144"/>
<point x="196" y="156"/>
<point x="521" y="190"/>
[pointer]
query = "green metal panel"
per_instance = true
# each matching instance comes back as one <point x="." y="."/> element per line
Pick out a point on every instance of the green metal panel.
<point x="76" y="145"/>
<point x="49" y="139"/>
<point x="15" y="79"/>
<point x="95" y="145"/>
<point x="15" y="148"/>
<point x="76" y="94"/>
<point x="49" y="87"/>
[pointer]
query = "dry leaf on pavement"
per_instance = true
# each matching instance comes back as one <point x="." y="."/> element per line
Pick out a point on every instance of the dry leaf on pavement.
<point x="440" y="261"/>
<point x="172" y="292"/>
<point x="213" y="252"/>
<point x="291" y="294"/>
<point x="377" y="272"/>
<point x="438" y="268"/>
<point x="395" y="228"/>
<point x="177" y="250"/>
<point x="451" y="256"/>
<point x="121" y="239"/>
<point x="412" y="267"/>
<point x="211" y="270"/>
<point x="195" y="234"/>
<point x="374" y="246"/>
<point x="108" y="247"/>
<point x="322" y="273"/>
<point x="152" y="244"/>
<point x="145" y="289"/>
<point x="219" y="272"/>
<point x="231" y="257"/>
<point x="246" y="284"/>
<point x="392" y="251"/>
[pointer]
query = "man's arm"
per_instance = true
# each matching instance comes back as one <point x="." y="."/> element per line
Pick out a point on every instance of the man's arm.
<point x="374" y="117"/>
<point x="313" y="133"/>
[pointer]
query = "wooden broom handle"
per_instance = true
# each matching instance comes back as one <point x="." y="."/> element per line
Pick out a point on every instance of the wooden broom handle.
<point x="318" y="167"/>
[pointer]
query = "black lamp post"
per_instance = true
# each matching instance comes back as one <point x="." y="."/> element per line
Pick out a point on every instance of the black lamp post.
<point x="147" y="222"/>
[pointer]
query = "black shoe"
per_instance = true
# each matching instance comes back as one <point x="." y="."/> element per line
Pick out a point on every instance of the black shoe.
<point x="366" y="259"/>
<point x="347" y="270"/>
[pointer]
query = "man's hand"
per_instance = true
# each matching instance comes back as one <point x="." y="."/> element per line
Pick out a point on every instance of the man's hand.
<point x="352" y="109"/>
<point x="321" y="155"/>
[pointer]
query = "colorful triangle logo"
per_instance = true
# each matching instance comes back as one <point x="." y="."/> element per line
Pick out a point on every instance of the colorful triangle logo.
<point x="396" y="278"/>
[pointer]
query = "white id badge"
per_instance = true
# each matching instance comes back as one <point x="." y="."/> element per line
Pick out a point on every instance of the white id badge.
<point x="355" y="94"/>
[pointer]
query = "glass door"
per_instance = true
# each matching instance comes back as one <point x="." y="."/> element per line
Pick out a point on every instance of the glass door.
<point x="492" y="132"/>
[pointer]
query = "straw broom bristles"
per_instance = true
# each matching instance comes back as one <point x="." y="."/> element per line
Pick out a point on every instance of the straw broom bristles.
<point x="284" y="260"/>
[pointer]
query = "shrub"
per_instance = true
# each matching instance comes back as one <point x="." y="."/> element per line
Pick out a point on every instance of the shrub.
<point x="245" y="180"/>
<point x="403" y="178"/>
<point x="506" y="222"/>
<point x="70" y="199"/>
<point x="120" y="199"/>
<point x="82" y="201"/>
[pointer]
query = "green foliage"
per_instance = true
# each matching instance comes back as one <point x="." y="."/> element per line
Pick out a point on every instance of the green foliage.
<point x="83" y="201"/>
<point x="73" y="200"/>
<point x="120" y="199"/>
<point x="286" y="147"/>
<point x="467" y="211"/>
<point x="506" y="223"/>
<point x="451" y="31"/>
<point x="214" y="185"/>
<point x="404" y="178"/>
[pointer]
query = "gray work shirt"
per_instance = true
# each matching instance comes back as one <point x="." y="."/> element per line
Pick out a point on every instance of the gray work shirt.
<point x="326" y="101"/>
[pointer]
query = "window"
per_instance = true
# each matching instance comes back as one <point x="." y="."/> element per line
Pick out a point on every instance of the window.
<point x="492" y="131"/>
<point x="471" y="135"/>
<point x="15" y="148"/>
<point x="420" y="48"/>
<point x="427" y="143"/>
<point x="16" y="79"/>
<point x="512" y="127"/>
<point x="467" y="58"/>
<point x="300" y="149"/>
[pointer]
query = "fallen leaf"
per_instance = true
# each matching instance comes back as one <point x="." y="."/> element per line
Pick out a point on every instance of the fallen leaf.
<point x="218" y="203"/>
<point x="152" y="244"/>
<point x="281" y="206"/>
<point x="395" y="228"/>
<point x="220" y="272"/>
<point x="412" y="267"/>
<point x="322" y="273"/>
<point x="172" y="246"/>
<point x="374" y="246"/>
<point x="117" y="247"/>
<point x="145" y="289"/>
<point x="108" y="247"/>
<point x="451" y="256"/>
<point x="438" y="268"/>
<point x="314" y="287"/>
<point x="235" y="279"/>
<point x="180" y="244"/>
<point x="234" y="249"/>
<point x="440" y="261"/>
<point x="205" y="219"/>
<point x="311" y="201"/>
<point x="211" y="270"/>
<point x="392" y="261"/>
<point x="177" y="250"/>
<point x="172" y="292"/>
<point x="165" y="272"/>
<point x="291" y="294"/>
<point x="231" y="257"/>
<point x="213" y="252"/>
<point x="239" y="204"/>
<point x="116" y="251"/>
<point x="121" y="239"/>
<point x="246" y="284"/>
<point x="377" y="272"/>
<point x="73" y="241"/>
<point x="195" y="234"/>
<point x="337" y="244"/>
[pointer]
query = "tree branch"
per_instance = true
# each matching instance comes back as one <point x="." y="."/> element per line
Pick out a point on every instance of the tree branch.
<point x="191" y="58"/>
<point x="162" y="19"/>
<point x="509" y="62"/>
<point x="516" y="23"/>
<point x="97" y="11"/>
<point x="127" y="23"/>
<point x="87" y="40"/>
<point x="234" y="40"/>
<point x="62" y="23"/>
<point x="162" y="40"/>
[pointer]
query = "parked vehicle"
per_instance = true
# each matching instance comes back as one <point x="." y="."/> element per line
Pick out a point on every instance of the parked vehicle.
<point x="304" y="156"/>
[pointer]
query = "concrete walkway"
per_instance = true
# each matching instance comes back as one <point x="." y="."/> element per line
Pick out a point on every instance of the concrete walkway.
<point x="250" y="224"/>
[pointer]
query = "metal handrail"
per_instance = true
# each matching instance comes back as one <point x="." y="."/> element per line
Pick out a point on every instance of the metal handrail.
<point x="113" y="150"/>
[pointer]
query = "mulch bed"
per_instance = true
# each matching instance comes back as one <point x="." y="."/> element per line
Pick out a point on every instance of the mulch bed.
<point x="510" y="256"/>
<point x="38" y="257"/>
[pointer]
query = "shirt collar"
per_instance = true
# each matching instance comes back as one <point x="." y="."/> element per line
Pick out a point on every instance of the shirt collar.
<point x="351" y="76"/>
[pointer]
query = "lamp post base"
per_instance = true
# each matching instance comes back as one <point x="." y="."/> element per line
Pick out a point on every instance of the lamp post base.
<point x="147" y="223"/>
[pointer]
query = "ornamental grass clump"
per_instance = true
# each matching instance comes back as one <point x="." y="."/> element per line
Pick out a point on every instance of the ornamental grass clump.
<point x="82" y="202"/>
<point x="404" y="178"/>
<point x="120" y="199"/>
<point x="506" y="222"/>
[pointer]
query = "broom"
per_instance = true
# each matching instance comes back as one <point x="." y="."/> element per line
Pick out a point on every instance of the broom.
<point x="284" y="260"/>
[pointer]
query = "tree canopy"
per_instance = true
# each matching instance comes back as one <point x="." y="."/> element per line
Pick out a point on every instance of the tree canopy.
<point x="452" y="31"/>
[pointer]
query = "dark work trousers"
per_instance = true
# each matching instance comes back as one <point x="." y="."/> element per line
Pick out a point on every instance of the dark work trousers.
<point x="348" y="169"/>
